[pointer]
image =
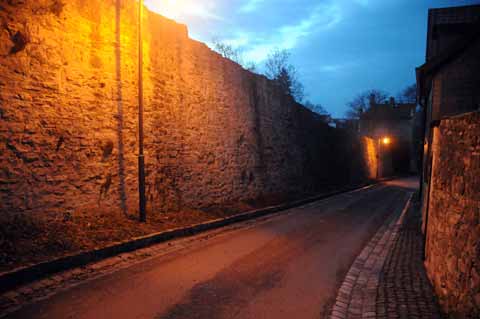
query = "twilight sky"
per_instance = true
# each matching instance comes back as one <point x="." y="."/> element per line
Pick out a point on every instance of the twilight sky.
<point x="340" y="47"/>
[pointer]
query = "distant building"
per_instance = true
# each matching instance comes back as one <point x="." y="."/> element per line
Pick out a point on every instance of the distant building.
<point x="395" y="121"/>
<point x="350" y="125"/>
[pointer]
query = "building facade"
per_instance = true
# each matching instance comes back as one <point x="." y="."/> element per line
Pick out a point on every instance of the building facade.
<point x="449" y="92"/>
<point x="394" y="121"/>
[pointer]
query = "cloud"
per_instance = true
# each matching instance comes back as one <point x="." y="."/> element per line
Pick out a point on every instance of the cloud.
<point x="239" y="39"/>
<point x="362" y="2"/>
<point x="336" y="67"/>
<point x="257" y="46"/>
<point x="183" y="10"/>
<point x="202" y="12"/>
<point x="322" y="18"/>
<point x="259" y="53"/>
<point x="250" y="6"/>
<point x="331" y="68"/>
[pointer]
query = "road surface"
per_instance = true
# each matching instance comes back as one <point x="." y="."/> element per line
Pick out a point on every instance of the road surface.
<point x="286" y="266"/>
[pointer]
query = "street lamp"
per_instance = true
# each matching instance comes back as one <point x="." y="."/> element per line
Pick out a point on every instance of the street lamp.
<point x="141" y="158"/>
<point x="385" y="141"/>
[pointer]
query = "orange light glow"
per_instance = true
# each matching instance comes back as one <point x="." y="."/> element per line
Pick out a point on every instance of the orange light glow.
<point x="386" y="140"/>
<point x="371" y="156"/>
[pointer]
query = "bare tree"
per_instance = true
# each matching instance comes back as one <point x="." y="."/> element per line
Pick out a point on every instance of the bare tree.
<point x="276" y="61"/>
<point x="227" y="50"/>
<point x="317" y="108"/>
<point x="408" y="94"/>
<point x="232" y="53"/>
<point x="363" y="101"/>
<point x="320" y="110"/>
<point x="279" y="69"/>
<point x="251" y="66"/>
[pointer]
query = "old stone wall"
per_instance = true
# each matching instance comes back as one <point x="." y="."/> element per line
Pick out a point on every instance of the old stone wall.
<point x="453" y="229"/>
<point x="214" y="133"/>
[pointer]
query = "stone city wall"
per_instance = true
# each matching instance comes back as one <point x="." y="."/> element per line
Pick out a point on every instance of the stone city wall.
<point x="214" y="132"/>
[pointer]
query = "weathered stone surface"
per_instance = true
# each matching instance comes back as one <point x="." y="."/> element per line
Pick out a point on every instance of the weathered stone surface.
<point x="453" y="234"/>
<point x="214" y="132"/>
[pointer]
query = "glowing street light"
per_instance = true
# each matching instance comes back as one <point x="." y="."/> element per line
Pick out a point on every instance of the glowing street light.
<point x="385" y="141"/>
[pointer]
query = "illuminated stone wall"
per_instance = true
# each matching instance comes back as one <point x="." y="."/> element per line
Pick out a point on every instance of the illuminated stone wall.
<point x="453" y="230"/>
<point x="370" y="156"/>
<point x="215" y="133"/>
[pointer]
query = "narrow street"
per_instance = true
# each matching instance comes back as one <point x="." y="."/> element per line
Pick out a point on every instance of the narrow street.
<point x="239" y="159"/>
<point x="289" y="265"/>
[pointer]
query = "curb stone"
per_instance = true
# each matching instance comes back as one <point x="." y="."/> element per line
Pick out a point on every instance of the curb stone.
<point x="24" y="275"/>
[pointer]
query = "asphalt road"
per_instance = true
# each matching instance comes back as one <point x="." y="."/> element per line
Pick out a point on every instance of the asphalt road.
<point x="286" y="266"/>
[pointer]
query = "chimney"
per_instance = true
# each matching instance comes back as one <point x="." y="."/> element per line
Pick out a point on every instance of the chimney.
<point x="372" y="101"/>
<point x="392" y="101"/>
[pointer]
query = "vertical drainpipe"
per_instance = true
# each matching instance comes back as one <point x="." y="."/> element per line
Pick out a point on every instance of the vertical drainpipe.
<point x="141" y="158"/>
<point x="422" y="157"/>
<point x="379" y="158"/>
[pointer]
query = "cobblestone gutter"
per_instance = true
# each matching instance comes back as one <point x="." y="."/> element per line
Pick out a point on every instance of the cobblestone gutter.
<point x="387" y="279"/>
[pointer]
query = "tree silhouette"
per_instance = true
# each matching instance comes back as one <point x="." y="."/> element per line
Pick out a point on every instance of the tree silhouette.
<point x="232" y="53"/>
<point x="408" y="94"/>
<point x="362" y="102"/>
<point x="279" y="69"/>
<point x="320" y="110"/>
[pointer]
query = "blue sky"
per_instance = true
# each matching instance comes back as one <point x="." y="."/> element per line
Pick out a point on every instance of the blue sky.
<point x="340" y="47"/>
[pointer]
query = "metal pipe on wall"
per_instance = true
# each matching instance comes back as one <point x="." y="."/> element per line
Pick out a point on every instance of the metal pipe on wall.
<point x="141" y="157"/>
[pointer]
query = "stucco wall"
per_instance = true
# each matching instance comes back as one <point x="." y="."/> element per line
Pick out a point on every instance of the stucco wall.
<point x="453" y="229"/>
<point x="214" y="132"/>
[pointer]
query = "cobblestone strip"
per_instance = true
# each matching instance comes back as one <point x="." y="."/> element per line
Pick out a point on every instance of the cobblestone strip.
<point x="404" y="290"/>
<point x="357" y="295"/>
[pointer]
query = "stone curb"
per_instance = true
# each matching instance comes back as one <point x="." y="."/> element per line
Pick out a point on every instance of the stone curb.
<point x="356" y="297"/>
<point x="23" y="275"/>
